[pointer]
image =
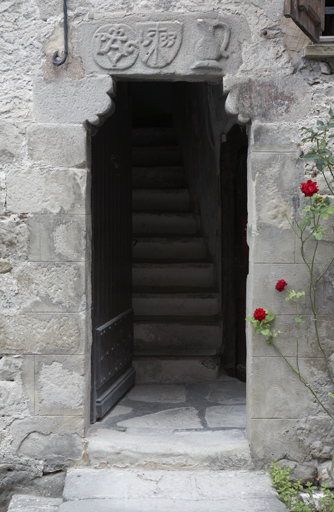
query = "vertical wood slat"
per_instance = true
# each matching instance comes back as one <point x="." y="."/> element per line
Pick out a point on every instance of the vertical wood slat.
<point x="112" y="313"/>
<point x="309" y="15"/>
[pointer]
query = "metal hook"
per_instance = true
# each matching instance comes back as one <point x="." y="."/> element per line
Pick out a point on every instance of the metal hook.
<point x="55" y="57"/>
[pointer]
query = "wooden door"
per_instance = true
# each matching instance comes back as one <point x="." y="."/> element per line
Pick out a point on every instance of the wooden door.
<point x="112" y="314"/>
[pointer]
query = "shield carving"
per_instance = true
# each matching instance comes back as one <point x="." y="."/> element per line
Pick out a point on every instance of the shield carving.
<point x="159" y="42"/>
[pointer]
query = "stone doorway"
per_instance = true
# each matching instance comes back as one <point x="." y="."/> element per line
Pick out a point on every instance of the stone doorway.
<point x="190" y="262"/>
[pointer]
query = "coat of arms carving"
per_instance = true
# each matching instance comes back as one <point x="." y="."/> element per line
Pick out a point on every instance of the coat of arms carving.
<point x="159" y="42"/>
<point x="117" y="46"/>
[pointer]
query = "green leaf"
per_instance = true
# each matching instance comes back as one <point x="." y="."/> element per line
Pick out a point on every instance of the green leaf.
<point x="318" y="236"/>
<point x="270" y="317"/>
<point x="330" y="210"/>
<point x="309" y="157"/>
<point x="298" y="319"/>
<point x="319" y="164"/>
<point x="324" y="215"/>
<point x="265" y="332"/>
<point x="249" y="319"/>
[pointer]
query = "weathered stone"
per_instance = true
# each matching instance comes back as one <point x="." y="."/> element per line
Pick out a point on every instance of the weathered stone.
<point x="58" y="238"/>
<point x="181" y="418"/>
<point x="14" y="400"/>
<point x="10" y="142"/>
<point x="158" y="393"/>
<point x="281" y="441"/>
<point x="42" y="334"/>
<point x="28" y="503"/>
<point x="199" y="47"/>
<point x="5" y="266"/>
<point x="38" y="190"/>
<point x="60" y="385"/>
<point x="227" y="391"/>
<point x="275" y="137"/>
<point x="226" y="416"/>
<point x="73" y="101"/>
<point x="269" y="243"/>
<point x="13" y="237"/>
<point x="267" y="100"/>
<point x="58" y="145"/>
<point x="45" y="425"/>
<point x="46" y="288"/>
<point x="283" y="395"/>
<point x="55" y="449"/>
<point x="316" y="434"/>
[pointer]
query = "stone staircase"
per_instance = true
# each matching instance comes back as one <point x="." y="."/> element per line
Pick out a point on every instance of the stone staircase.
<point x="176" y="303"/>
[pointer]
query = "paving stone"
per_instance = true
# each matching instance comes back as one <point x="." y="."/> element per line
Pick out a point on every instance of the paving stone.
<point x="183" y="418"/>
<point x="119" y="410"/>
<point x="227" y="392"/>
<point x="27" y="503"/>
<point x="226" y="416"/>
<point x="158" y="393"/>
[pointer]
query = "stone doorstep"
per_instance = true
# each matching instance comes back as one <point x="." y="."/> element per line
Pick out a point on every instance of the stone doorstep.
<point x="142" y="448"/>
<point x="29" y="503"/>
<point x="90" y="490"/>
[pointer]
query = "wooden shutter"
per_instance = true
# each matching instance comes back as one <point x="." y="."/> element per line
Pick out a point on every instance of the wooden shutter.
<point x="309" y="15"/>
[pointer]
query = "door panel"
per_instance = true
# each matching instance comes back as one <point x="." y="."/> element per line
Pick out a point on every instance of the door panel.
<point x="112" y="313"/>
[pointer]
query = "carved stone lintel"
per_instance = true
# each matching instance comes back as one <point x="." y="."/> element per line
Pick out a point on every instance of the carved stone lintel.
<point x="163" y="44"/>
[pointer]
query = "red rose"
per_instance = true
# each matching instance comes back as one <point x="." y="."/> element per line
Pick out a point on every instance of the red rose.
<point x="309" y="188"/>
<point x="281" y="284"/>
<point x="260" y="314"/>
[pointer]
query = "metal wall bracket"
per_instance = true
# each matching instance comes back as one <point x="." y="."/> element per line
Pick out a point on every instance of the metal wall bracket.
<point x="55" y="58"/>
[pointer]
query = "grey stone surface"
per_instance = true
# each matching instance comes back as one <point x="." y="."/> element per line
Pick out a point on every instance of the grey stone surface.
<point x="183" y="417"/>
<point x="29" y="503"/>
<point x="55" y="450"/>
<point x="185" y="486"/>
<point x="47" y="191"/>
<point x="58" y="238"/>
<point x="268" y="99"/>
<point x="42" y="334"/>
<point x="226" y="416"/>
<point x="73" y="101"/>
<point x="5" y="266"/>
<point x="228" y="391"/>
<point x="60" y="385"/>
<point x="164" y="45"/>
<point x="158" y="393"/>
<point x="10" y="142"/>
<point x="275" y="137"/>
<point x="58" y="145"/>
<point x="175" y="370"/>
<point x="215" y="450"/>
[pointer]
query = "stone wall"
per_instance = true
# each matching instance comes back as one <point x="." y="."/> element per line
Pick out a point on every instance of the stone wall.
<point x="46" y="117"/>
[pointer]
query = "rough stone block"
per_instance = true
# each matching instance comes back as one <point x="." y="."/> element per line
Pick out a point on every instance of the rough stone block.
<point x="61" y="425"/>
<point x="286" y="342"/>
<point x="261" y="291"/>
<point x="58" y="238"/>
<point x="28" y="503"/>
<point x="14" y="236"/>
<point x="2" y="192"/>
<point x="36" y="190"/>
<point x="316" y="433"/>
<point x="200" y="47"/>
<point x="33" y="287"/>
<point x="276" y="391"/>
<point x="275" y="137"/>
<point x="267" y="99"/>
<point x="10" y="142"/>
<point x="58" y="145"/>
<point x="73" y="101"/>
<point x="269" y="243"/>
<point x="275" y="439"/>
<point x="14" y="398"/>
<point x="60" y="385"/>
<point x="275" y="181"/>
<point x="42" y="334"/>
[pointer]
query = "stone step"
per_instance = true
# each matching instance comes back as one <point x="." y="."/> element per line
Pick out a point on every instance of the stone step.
<point x="173" y="274"/>
<point x="165" y="223"/>
<point x="155" y="155"/>
<point x="177" y="338"/>
<point x="176" y="304"/>
<point x="161" y="199"/>
<point x="172" y="370"/>
<point x="147" y="448"/>
<point x="29" y="503"/>
<point x="155" y="136"/>
<point x="111" y="490"/>
<point x="169" y="248"/>
<point x="158" y="177"/>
